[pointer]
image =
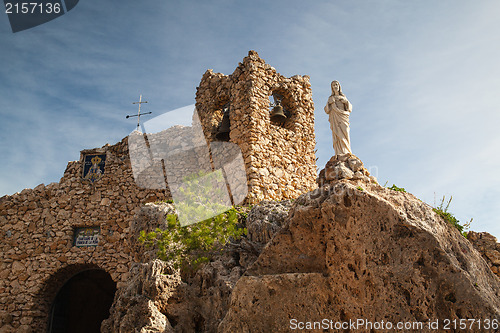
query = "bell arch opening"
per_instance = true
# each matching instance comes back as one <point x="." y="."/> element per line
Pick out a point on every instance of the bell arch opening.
<point x="284" y="115"/>
<point x="82" y="303"/>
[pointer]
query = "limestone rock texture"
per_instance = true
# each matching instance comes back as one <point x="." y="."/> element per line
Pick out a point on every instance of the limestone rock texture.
<point x="139" y="303"/>
<point x="266" y="219"/>
<point x="354" y="249"/>
<point x="489" y="248"/>
<point x="348" y="250"/>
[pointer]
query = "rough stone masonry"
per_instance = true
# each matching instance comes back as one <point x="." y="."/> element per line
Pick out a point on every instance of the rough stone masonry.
<point x="37" y="247"/>
<point x="280" y="160"/>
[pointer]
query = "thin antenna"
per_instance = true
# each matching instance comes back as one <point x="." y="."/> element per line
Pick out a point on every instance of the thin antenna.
<point x="138" y="115"/>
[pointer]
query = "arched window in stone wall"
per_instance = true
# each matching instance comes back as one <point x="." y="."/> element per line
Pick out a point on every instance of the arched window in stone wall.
<point x="282" y="96"/>
<point x="222" y="114"/>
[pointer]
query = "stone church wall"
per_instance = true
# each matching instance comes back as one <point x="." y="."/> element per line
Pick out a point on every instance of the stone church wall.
<point x="37" y="229"/>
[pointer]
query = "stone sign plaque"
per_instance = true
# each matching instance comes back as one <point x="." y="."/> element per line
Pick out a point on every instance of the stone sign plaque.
<point x="93" y="167"/>
<point x="88" y="236"/>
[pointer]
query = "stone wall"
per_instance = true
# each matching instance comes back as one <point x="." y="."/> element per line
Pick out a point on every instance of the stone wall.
<point x="37" y="228"/>
<point x="168" y="156"/>
<point x="279" y="158"/>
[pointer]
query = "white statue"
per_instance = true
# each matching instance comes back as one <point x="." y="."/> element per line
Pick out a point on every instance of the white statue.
<point x="338" y="109"/>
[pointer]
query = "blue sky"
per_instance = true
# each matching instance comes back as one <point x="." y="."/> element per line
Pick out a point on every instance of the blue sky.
<point x="423" y="78"/>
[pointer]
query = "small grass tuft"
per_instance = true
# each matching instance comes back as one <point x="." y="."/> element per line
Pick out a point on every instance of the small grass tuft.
<point x="442" y="210"/>
<point x="398" y="189"/>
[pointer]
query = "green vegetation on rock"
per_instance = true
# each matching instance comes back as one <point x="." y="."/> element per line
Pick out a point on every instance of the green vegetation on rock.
<point x="188" y="243"/>
<point x="398" y="189"/>
<point x="442" y="210"/>
<point x="189" y="246"/>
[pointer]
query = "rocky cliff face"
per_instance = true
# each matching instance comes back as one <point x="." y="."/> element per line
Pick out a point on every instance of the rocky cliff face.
<point x="349" y="250"/>
<point x="354" y="250"/>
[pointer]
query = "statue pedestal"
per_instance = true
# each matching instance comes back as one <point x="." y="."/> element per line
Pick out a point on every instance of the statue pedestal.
<point x="346" y="166"/>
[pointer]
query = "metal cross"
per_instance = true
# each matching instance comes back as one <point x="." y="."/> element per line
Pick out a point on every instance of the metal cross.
<point x="138" y="115"/>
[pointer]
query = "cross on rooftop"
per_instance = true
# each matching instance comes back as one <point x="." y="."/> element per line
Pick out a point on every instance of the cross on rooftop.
<point x="138" y="115"/>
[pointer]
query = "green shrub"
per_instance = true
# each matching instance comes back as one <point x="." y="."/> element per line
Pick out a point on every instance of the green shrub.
<point x="200" y="196"/>
<point x="169" y="201"/>
<point x="191" y="243"/>
<point x="189" y="246"/>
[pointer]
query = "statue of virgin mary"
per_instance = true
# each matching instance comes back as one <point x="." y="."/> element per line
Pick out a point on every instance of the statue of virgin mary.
<point x="338" y="109"/>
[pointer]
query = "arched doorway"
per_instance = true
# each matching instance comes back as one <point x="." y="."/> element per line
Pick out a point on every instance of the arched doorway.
<point x="82" y="303"/>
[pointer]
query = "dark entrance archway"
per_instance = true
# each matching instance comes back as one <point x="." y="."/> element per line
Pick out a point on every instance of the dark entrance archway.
<point x="82" y="303"/>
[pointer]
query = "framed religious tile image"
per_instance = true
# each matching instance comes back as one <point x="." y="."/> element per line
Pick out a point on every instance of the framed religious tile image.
<point x="93" y="167"/>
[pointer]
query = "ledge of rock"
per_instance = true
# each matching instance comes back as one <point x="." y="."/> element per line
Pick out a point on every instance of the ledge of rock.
<point x="353" y="250"/>
<point x="138" y="307"/>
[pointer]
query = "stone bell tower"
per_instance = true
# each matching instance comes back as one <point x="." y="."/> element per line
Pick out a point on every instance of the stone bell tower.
<point x="279" y="156"/>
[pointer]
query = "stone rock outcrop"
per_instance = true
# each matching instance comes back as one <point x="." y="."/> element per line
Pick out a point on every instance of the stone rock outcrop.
<point x="487" y="245"/>
<point x="148" y="218"/>
<point x="267" y="218"/>
<point x="157" y="299"/>
<point x="138" y="309"/>
<point x="355" y="250"/>
<point x="346" y="166"/>
<point x="349" y="250"/>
